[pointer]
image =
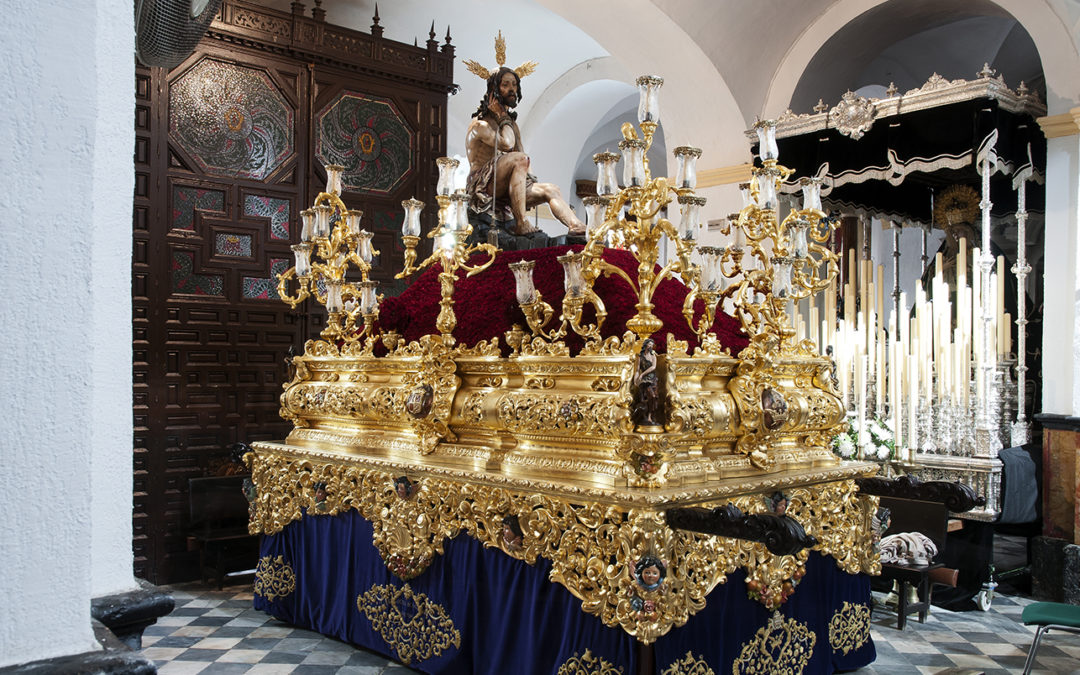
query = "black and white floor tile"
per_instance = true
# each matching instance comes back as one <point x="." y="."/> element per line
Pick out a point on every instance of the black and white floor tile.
<point x="212" y="632"/>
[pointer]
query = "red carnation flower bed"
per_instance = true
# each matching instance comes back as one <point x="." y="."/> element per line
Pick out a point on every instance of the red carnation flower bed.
<point x="486" y="306"/>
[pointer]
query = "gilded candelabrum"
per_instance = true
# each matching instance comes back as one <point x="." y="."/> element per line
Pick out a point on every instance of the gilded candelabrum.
<point x="634" y="218"/>
<point x="331" y="231"/>
<point x="450" y="249"/>
<point x="788" y="260"/>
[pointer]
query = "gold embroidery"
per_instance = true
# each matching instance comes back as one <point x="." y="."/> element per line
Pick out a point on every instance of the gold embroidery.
<point x="688" y="665"/>
<point x="274" y="578"/>
<point x="414" y="626"/>
<point x="849" y="627"/>
<point x="587" y="664"/>
<point x="780" y="647"/>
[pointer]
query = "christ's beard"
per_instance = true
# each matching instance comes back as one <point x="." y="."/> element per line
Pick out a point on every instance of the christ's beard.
<point x="509" y="101"/>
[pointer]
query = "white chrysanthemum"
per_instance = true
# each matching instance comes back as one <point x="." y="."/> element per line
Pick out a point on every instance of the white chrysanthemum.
<point x="845" y="446"/>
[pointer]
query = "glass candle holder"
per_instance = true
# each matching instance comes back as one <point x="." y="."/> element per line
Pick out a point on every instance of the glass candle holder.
<point x="363" y="246"/>
<point x="606" y="183"/>
<point x="352" y="221"/>
<point x="322" y="220"/>
<point x="368" y="302"/>
<point x="447" y="167"/>
<point x="799" y="245"/>
<point x="686" y="175"/>
<point x="738" y="234"/>
<point x="747" y="196"/>
<point x="766" y="181"/>
<point x="302" y="253"/>
<point x="307" y="228"/>
<point x="462" y="212"/>
<point x="525" y="289"/>
<point x="649" y="98"/>
<point x="690" y="207"/>
<point x="766" y="133"/>
<point x="333" y="178"/>
<point x="712" y="279"/>
<point x="781" y="281"/>
<point x="573" y="280"/>
<point x="410" y="226"/>
<point x="595" y="207"/>
<point x="633" y="156"/>
<point x="333" y="296"/>
<point x="811" y="191"/>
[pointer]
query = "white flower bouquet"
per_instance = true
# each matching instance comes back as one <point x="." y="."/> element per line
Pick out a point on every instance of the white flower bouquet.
<point x="878" y="440"/>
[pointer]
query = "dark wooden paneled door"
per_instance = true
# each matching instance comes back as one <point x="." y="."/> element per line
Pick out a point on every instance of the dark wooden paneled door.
<point x="229" y="149"/>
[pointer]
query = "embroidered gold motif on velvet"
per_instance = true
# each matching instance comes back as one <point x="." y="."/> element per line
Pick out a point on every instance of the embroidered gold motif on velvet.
<point x="588" y="664"/>
<point x="780" y="647"/>
<point x="849" y="627"/>
<point x="688" y="665"/>
<point x="274" y="578"/>
<point x="416" y="627"/>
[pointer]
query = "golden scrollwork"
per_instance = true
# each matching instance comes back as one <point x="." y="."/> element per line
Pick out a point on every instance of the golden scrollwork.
<point x="426" y="632"/>
<point x="588" y="664"/>
<point x="780" y="647"/>
<point x="274" y="578"/>
<point x="849" y="627"/>
<point x="688" y="665"/>
<point x="592" y="545"/>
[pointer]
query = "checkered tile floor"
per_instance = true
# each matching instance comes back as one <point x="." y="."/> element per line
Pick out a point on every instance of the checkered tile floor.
<point x="214" y="631"/>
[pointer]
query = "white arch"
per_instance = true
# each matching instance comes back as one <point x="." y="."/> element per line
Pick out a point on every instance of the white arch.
<point x="1057" y="51"/>
<point x="602" y="68"/>
<point x="697" y="106"/>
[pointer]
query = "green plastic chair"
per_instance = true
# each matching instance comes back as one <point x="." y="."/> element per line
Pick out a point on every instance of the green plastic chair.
<point x="1047" y="615"/>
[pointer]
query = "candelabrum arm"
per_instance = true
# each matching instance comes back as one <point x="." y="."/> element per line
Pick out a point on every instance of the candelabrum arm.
<point x="283" y="288"/>
<point x="490" y="249"/>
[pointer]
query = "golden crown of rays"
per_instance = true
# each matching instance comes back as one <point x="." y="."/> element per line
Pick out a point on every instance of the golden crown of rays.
<point x="500" y="57"/>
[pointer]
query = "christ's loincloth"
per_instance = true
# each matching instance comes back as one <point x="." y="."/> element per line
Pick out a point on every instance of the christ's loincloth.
<point x="479" y="187"/>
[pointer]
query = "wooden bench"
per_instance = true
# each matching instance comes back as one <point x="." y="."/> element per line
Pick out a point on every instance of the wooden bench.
<point x="932" y="520"/>
<point x="218" y="512"/>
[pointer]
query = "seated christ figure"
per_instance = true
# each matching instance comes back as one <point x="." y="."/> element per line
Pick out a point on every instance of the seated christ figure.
<point x="499" y="167"/>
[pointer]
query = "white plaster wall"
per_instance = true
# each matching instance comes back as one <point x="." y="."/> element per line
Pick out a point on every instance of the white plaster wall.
<point x="1061" y="292"/>
<point x="110" y="264"/>
<point x="65" y="216"/>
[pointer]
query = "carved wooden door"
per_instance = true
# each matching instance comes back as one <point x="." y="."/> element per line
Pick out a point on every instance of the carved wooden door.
<point x="229" y="149"/>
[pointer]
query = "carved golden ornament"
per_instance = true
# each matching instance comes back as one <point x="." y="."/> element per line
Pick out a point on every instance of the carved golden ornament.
<point x="274" y="578"/>
<point x="415" y="627"/>
<point x="781" y="647"/>
<point x="588" y="664"/>
<point x="849" y="627"/>
<point x="592" y="544"/>
<point x="483" y="73"/>
<point x="431" y="390"/>
<point x="688" y="665"/>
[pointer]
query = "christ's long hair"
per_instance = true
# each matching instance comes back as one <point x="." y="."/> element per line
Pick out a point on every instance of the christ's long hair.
<point x="493" y="88"/>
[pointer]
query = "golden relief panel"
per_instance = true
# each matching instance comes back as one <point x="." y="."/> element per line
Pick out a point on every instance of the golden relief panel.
<point x="776" y="413"/>
<point x="597" y="549"/>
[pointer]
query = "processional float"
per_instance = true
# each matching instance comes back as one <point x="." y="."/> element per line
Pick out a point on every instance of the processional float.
<point x="592" y="459"/>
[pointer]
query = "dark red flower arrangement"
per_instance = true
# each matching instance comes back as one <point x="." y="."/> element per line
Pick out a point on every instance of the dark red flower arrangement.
<point x="486" y="307"/>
